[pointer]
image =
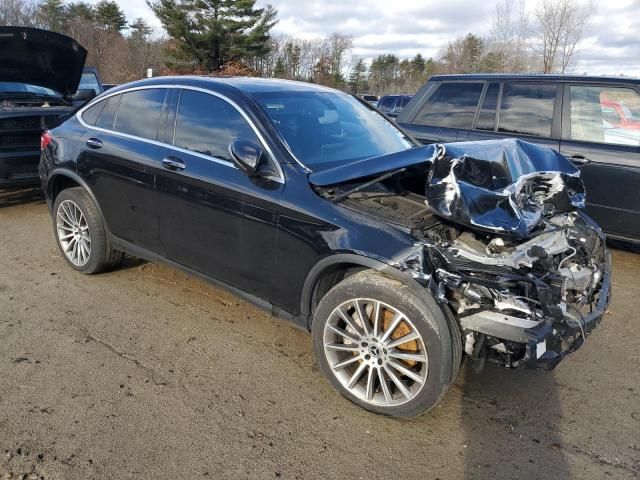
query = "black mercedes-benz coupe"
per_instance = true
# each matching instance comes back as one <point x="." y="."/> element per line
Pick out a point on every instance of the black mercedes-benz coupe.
<point x="306" y="201"/>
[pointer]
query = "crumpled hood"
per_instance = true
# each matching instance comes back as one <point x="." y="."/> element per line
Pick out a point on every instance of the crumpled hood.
<point x="498" y="186"/>
<point x="374" y="166"/>
<point x="502" y="186"/>
<point x="40" y="57"/>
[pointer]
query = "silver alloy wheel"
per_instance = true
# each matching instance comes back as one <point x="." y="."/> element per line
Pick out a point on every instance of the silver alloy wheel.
<point x="73" y="233"/>
<point x="375" y="352"/>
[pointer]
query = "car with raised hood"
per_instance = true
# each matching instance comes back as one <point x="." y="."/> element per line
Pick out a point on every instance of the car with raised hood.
<point x="39" y="73"/>
<point x="399" y="259"/>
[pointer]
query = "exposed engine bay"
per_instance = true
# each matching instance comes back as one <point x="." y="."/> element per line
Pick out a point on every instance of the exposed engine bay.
<point x="501" y="242"/>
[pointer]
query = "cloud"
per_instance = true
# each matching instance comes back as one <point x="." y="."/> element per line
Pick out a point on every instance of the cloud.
<point x="407" y="27"/>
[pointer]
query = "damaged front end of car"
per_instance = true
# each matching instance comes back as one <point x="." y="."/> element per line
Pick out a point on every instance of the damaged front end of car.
<point x="501" y="241"/>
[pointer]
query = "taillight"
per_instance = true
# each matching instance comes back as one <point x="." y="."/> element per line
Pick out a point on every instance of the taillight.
<point x="45" y="139"/>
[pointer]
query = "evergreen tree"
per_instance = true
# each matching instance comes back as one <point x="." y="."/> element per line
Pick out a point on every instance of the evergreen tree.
<point x="108" y="16"/>
<point x="358" y="77"/>
<point x="79" y="11"/>
<point x="52" y="15"/>
<point x="280" y="70"/>
<point x="210" y="33"/>
<point x="140" y="30"/>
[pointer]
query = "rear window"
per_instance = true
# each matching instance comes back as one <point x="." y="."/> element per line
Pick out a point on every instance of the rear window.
<point x="527" y="108"/>
<point x="452" y="105"/>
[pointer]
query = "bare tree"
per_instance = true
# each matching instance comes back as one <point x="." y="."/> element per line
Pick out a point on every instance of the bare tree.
<point x="560" y="25"/>
<point x="508" y="40"/>
<point x="21" y="13"/>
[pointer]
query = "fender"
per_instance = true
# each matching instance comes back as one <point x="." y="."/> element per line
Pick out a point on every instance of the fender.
<point x="352" y="259"/>
<point x="64" y="172"/>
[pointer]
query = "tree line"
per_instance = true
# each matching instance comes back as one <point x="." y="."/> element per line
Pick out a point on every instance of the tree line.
<point x="235" y="37"/>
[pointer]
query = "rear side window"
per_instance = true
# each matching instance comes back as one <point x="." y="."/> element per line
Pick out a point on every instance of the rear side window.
<point x="605" y="114"/>
<point x="207" y="124"/>
<point x="108" y="113"/>
<point x="387" y="104"/>
<point x="140" y="112"/>
<point x="527" y="108"/>
<point x="402" y="102"/>
<point x="452" y="105"/>
<point x="487" y="117"/>
<point x="91" y="114"/>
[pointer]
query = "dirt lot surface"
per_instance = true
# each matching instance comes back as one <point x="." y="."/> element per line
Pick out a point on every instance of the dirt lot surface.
<point x="145" y="373"/>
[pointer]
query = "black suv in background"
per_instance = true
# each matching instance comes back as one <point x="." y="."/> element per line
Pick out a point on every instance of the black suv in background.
<point x="39" y="73"/>
<point x="392" y="105"/>
<point x="593" y="121"/>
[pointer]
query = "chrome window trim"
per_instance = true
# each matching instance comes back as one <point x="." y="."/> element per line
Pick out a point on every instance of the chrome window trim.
<point x="279" y="178"/>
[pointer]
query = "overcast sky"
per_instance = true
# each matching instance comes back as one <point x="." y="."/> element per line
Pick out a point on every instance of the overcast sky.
<point x="407" y="27"/>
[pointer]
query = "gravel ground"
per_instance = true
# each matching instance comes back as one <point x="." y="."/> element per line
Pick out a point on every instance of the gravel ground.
<point x="146" y="373"/>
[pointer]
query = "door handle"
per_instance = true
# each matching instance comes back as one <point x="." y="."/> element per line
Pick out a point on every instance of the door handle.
<point x="173" y="163"/>
<point x="94" y="143"/>
<point x="581" y="159"/>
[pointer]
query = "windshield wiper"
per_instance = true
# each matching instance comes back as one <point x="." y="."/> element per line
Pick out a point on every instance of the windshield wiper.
<point x="364" y="185"/>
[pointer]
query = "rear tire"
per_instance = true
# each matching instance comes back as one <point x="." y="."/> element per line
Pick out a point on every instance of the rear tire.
<point x="366" y="363"/>
<point x="80" y="233"/>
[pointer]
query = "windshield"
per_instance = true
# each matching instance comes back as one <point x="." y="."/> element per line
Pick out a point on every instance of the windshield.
<point x="16" y="87"/>
<point x="326" y="129"/>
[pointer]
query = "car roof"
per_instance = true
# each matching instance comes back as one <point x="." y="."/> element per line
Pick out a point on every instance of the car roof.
<point x="535" y="77"/>
<point x="244" y="84"/>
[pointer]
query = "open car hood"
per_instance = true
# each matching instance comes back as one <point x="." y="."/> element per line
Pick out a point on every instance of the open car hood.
<point x="41" y="57"/>
<point x="498" y="186"/>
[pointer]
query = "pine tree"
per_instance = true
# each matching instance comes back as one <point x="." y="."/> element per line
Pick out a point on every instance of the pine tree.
<point x="52" y="15"/>
<point x="358" y="77"/>
<point x="280" y="70"/>
<point x="109" y="17"/>
<point x="210" y="33"/>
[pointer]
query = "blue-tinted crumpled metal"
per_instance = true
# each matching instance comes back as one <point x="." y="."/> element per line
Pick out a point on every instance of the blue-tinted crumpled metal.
<point x="502" y="186"/>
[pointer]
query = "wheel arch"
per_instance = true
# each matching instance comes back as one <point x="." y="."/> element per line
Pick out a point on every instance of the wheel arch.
<point x="62" y="179"/>
<point x="331" y="270"/>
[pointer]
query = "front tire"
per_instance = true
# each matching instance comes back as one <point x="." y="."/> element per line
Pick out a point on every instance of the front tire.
<point x="80" y="233"/>
<point x="383" y="346"/>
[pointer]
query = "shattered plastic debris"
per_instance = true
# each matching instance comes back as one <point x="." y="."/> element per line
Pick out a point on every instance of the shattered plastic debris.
<point x="502" y="186"/>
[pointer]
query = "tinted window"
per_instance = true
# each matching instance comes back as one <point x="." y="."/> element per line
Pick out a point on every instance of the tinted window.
<point x="207" y="124"/>
<point x="140" y="111"/>
<point x="91" y="114"/>
<point x="330" y="128"/>
<point x="487" y="117"/>
<point x="604" y="114"/>
<point x="108" y="113"/>
<point x="527" y="108"/>
<point x="89" y="81"/>
<point x="452" y="105"/>
<point x="401" y="103"/>
<point x="387" y="104"/>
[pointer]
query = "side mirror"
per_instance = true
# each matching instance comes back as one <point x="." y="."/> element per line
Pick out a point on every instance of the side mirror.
<point x="246" y="155"/>
<point x="84" y="94"/>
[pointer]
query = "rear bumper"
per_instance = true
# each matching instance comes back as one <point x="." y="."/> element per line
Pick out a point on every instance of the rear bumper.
<point x="19" y="168"/>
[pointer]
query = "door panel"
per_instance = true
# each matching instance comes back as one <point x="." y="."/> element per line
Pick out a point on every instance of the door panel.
<point x="607" y="152"/>
<point x="121" y="174"/>
<point x="612" y="182"/>
<point x="216" y="220"/>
